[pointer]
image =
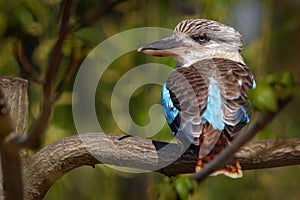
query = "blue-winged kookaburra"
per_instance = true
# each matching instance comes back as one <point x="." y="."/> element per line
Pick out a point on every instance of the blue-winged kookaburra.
<point x="205" y="98"/>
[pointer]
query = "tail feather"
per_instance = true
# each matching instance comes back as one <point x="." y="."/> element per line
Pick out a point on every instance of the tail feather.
<point x="210" y="147"/>
<point x="232" y="170"/>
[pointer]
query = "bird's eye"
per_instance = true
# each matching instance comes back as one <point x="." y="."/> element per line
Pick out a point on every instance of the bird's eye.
<point x="201" y="38"/>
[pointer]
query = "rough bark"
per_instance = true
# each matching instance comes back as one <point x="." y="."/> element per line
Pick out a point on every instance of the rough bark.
<point x="49" y="164"/>
<point x="13" y="122"/>
<point x="15" y="92"/>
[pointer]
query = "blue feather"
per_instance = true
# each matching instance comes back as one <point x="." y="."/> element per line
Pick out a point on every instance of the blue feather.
<point x="169" y="109"/>
<point x="213" y="113"/>
<point x="245" y="118"/>
<point x="253" y="84"/>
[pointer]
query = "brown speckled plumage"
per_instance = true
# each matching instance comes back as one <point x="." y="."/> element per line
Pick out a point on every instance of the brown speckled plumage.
<point x="208" y="87"/>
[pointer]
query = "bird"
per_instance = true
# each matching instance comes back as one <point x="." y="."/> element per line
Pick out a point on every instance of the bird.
<point x="204" y="99"/>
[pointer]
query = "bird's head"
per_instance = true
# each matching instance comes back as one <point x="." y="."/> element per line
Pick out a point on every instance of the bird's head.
<point x="198" y="39"/>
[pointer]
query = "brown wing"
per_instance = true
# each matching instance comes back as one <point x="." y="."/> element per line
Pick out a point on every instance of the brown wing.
<point x="234" y="81"/>
<point x="188" y="89"/>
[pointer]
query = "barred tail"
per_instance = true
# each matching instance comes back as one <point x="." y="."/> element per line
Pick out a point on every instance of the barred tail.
<point x="217" y="141"/>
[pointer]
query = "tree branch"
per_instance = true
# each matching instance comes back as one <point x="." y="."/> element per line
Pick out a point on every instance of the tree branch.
<point x="53" y="161"/>
<point x="6" y="123"/>
<point x="11" y="168"/>
<point x="13" y="120"/>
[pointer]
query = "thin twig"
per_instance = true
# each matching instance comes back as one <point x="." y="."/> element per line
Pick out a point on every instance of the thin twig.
<point x="49" y="96"/>
<point x="241" y="140"/>
<point x="94" y="14"/>
<point x="74" y="63"/>
<point x="34" y="139"/>
<point x="25" y="64"/>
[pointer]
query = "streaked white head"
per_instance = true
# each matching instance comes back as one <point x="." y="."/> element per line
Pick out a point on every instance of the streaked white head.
<point x="198" y="39"/>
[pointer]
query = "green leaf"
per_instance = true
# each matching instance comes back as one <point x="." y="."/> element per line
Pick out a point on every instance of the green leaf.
<point x="181" y="189"/>
<point x="270" y="79"/>
<point x="264" y="99"/>
<point x="191" y="183"/>
<point x="184" y="186"/>
<point x="163" y="191"/>
<point x="287" y="79"/>
<point x="168" y="192"/>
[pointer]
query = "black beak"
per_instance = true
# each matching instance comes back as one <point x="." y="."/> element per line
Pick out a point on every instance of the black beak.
<point x="164" y="47"/>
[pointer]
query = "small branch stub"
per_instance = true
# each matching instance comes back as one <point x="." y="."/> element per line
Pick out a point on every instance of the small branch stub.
<point x="15" y="92"/>
<point x="13" y="121"/>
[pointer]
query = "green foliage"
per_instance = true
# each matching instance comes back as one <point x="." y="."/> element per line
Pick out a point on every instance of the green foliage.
<point x="264" y="99"/>
<point x="273" y="89"/>
<point x="179" y="187"/>
<point x="184" y="186"/>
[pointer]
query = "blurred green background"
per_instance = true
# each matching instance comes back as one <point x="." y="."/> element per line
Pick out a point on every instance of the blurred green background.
<point x="271" y="32"/>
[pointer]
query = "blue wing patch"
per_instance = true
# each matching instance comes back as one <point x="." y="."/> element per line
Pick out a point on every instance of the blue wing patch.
<point x="169" y="109"/>
<point x="246" y="118"/>
<point x="213" y="113"/>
